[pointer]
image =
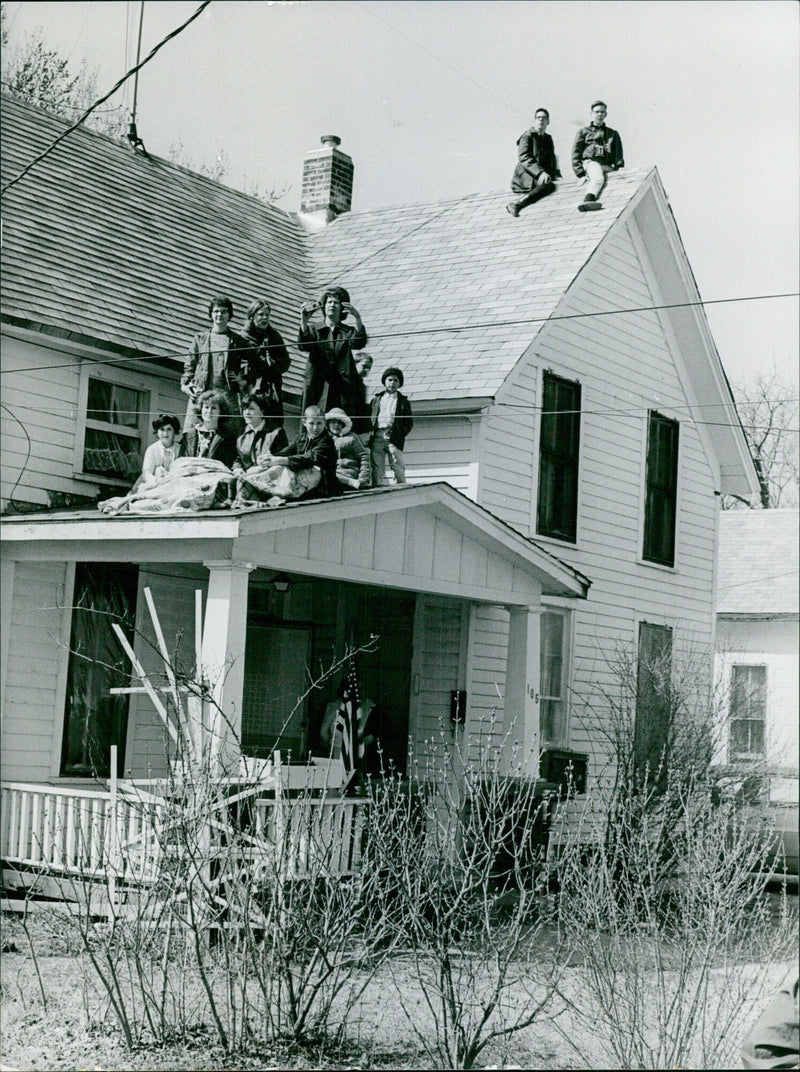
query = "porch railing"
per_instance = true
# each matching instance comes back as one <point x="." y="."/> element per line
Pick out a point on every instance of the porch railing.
<point x="124" y="835"/>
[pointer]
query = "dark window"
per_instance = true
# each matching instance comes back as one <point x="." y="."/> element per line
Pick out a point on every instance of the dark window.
<point x="653" y="701"/>
<point x="113" y="444"/>
<point x="662" y="491"/>
<point x="559" y="445"/>
<point x="748" y="711"/>
<point x="94" y="719"/>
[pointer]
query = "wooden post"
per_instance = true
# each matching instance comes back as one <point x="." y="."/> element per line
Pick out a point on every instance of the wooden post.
<point x="224" y="634"/>
<point x="522" y="684"/>
<point x="112" y="863"/>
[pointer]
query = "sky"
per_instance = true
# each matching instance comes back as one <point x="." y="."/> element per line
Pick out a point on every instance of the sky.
<point x="429" y="99"/>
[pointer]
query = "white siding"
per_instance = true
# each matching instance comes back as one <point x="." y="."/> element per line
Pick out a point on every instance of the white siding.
<point x="441" y="448"/>
<point x="33" y="708"/>
<point x="439" y="645"/>
<point x="40" y="403"/>
<point x="625" y="368"/>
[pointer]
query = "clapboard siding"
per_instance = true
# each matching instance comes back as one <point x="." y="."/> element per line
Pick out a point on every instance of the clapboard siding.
<point x="625" y="368"/>
<point x="37" y="661"/>
<point x="41" y="386"/>
<point x="440" y="448"/>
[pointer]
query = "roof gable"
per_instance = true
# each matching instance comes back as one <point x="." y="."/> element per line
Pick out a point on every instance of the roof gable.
<point x="455" y="291"/>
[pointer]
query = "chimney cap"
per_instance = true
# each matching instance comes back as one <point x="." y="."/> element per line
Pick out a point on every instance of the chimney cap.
<point x="330" y="139"/>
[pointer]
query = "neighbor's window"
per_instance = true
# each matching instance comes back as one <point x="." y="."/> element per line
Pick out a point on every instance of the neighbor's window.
<point x="748" y="711"/>
<point x="559" y="445"/>
<point x="94" y="718"/>
<point x="661" y="497"/>
<point x="116" y="417"/>
<point x="554" y="672"/>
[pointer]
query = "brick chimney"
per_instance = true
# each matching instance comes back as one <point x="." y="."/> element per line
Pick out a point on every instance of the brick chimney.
<point x="327" y="181"/>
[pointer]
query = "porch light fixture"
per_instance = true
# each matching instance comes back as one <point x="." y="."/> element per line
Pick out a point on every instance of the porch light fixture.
<point x="281" y="583"/>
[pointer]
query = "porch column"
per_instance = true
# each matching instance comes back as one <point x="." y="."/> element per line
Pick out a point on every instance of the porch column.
<point x="222" y="652"/>
<point x="522" y="683"/>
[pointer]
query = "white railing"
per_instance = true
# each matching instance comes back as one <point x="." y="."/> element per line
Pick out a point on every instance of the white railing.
<point x="122" y="835"/>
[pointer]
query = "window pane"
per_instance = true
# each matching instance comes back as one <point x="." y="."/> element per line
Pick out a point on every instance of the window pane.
<point x="559" y="446"/>
<point x="112" y="455"/>
<point x="661" y="495"/>
<point x="113" y="404"/>
<point x="748" y="710"/>
<point x="94" y="719"/>
<point x="553" y="707"/>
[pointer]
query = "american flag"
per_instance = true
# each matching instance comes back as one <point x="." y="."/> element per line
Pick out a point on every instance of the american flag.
<point x="347" y="723"/>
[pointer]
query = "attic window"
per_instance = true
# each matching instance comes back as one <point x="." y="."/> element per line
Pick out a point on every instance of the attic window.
<point x="116" y="408"/>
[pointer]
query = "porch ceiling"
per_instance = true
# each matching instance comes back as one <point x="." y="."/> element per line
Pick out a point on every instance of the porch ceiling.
<point x="427" y="538"/>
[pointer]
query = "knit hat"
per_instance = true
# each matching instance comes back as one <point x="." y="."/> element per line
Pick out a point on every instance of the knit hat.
<point x="339" y="415"/>
<point x="392" y="371"/>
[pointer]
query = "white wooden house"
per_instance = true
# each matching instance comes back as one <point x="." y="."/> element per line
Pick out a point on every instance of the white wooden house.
<point x="573" y="426"/>
<point x="758" y="610"/>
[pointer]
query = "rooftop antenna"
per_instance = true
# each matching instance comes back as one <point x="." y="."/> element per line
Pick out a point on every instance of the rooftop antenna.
<point x="136" y="142"/>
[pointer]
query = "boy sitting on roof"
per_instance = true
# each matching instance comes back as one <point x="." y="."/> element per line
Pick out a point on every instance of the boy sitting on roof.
<point x="537" y="168"/>
<point x="597" y="150"/>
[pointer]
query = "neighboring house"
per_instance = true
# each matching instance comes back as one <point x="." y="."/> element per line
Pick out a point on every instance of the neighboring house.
<point x="758" y="608"/>
<point x="560" y="439"/>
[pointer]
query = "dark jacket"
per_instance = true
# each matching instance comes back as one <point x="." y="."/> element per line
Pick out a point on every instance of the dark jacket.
<point x="252" y="447"/>
<point x="222" y="449"/>
<point x="402" y="424"/>
<point x="304" y="453"/>
<point x="597" y="143"/>
<point x="536" y="154"/>
<point x="266" y="365"/>
<point x="331" y="361"/>
<point x="198" y="367"/>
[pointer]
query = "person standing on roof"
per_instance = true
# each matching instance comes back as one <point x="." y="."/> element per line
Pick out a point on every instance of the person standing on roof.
<point x="214" y="362"/>
<point x="330" y="348"/>
<point x="269" y="360"/>
<point x="596" y="152"/>
<point x="537" y="169"/>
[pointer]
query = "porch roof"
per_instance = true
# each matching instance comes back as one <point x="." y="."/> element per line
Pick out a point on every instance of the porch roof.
<point x="426" y="537"/>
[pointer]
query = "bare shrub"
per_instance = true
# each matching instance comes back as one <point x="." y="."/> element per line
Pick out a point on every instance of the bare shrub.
<point x="459" y="854"/>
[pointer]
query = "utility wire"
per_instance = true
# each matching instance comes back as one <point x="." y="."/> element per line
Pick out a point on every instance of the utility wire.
<point x="46" y="152"/>
<point x="183" y="354"/>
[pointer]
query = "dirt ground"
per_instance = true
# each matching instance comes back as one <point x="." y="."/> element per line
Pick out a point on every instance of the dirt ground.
<point x="77" y="1028"/>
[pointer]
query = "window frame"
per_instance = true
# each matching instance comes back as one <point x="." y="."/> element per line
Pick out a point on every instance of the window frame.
<point x="668" y="562"/>
<point x="567" y="620"/>
<point x="571" y="536"/>
<point x="648" y="720"/>
<point x="747" y="757"/>
<point x="120" y="378"/>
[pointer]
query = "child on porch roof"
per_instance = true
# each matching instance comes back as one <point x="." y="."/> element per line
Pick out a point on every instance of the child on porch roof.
<point x="160" y="455"/>
<point x="391" y="423"/>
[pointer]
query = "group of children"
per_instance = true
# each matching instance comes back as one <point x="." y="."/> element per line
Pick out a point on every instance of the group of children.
<point x="233" y="379"/>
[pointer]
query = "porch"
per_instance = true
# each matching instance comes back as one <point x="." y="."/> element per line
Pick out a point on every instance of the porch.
<point x="472" y="587"/>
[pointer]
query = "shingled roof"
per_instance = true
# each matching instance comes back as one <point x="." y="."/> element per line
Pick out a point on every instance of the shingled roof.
<point x="126" y="249"/>
<point x="759" y="563"/>
<point x="463" y="264"/>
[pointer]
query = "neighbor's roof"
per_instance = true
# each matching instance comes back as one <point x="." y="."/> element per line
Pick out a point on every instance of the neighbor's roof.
<point x="759" y="560"/>
<point x="112" y="245"/>
<point x="464" y="264"/>
<point x="102" y="242"/>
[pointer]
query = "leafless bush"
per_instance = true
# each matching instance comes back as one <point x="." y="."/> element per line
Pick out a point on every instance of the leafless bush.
<point x="673" y="959"/>
<point x="460" y="862"/>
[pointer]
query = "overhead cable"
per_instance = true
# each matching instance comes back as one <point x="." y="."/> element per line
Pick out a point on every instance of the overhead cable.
<point x="46" y="152"/>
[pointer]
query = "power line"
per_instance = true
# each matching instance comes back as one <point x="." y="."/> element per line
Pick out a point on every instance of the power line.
<point x="46" y="152"/>
<point x="444" y="63"/>
<point x="183" y="354"/>
<point x="636" y="413"/>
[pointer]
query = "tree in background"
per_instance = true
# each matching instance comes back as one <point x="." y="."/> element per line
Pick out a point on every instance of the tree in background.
<point x="768" y="409"/>
<point x="42" y="76"/>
